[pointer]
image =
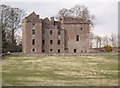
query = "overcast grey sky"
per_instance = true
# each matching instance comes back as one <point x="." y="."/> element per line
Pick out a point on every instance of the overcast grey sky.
<point x="106" y="12"/>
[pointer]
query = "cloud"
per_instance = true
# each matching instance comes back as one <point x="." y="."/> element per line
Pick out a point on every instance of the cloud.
<point x="106" y="12"/>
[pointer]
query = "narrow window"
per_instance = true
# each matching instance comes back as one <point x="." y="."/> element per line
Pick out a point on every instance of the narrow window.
<point x="51" y="42"/>
<point x="43" y="42"/>
<point x="43" y="51"/>
<point x="58" y="42"/>
<point x="58" y="50"/>
<point x="33" y="41"/>
<point x="33" y="31"/>
<point x="81" y="50"/>
<point x="74" y="50"/>
<point x="77" y="37"/>
<point x="51" y="50"/>
<point x="50" y="32"/>
<point x="81" y="28"/>
<point x="33" y="25"/>
<point x="58" y="32"/>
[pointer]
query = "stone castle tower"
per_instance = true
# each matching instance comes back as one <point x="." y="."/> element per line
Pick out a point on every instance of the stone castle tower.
<point x="68" y="35"/>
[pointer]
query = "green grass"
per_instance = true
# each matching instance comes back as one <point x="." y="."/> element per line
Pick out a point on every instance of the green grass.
<point x="60" y="70"/>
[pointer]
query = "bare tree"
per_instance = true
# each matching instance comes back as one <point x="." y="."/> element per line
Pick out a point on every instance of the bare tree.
<point x="64" y="12"/>
<point x="14" y="21"/>
<point x="78" y="11"/>
<point x="10" y="20"/>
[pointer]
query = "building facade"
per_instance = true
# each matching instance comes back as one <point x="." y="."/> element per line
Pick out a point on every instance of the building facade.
<point x="68" y="35"/>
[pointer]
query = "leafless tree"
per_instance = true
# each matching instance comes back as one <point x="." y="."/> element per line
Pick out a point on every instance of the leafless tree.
<point x="78" y="11"/>
<point x="11" y="19"/>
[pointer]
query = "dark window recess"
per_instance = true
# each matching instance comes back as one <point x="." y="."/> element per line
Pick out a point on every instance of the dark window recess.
<point x="74" y="50"/>
<point x="43" y="42"/>
<point x="33" y="41"/>
<point x="33" y="32"/>
<point x="58" y="42"/>
<point x="33" y="50"/>
<point x="51" y="42"/>
<point x="81" y="28"/>
<point x="81" y="50"/>
<point x="51" y="50"/>
<point x="43" y="51"/>
<point x="33" y="24"/>
<point x="58" y="32"/>
<point x="50" y="32"/>
<point x="77" y="37"/>
<point x="58" y="27"/>
<point x="58" y="50"/>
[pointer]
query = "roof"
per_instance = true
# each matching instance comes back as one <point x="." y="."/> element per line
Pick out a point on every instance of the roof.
<point x="73" y="20"/>
<point x="32" y="17"/>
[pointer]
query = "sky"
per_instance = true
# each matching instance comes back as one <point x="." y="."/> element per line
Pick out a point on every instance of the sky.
<point x="105" y="12"/>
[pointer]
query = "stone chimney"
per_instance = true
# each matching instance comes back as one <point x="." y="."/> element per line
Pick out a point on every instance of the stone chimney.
<point x="52" y="19"/>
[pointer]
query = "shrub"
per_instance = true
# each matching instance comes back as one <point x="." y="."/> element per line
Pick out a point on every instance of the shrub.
<point x="108" y="48"/>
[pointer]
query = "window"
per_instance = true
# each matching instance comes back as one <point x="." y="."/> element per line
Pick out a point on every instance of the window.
<point x="74" y="50"/>
<point x="81" y="50"/>
<point x="51" y="50"/>
<point x="58" y="27"/>
<point x="43" y="51"/>
<point x="33" y="50"/>
<point x="43" y="42"/>
<point x="51" y="42"/>
<point x="33" y="41"/>
<point x="81" y="28"/>
<point x="77" y="37"/>
<point x="58" y="32"/>
<point x="33" y="24"/>
<point x="58" y="42"/>
<point x="58" y="50"/>
<point x="50" y="32"/>
<point x="33" y="31"/>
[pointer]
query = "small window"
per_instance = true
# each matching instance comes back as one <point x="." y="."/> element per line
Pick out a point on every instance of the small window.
<point x="51" y="42"/>
<point x="43" y="42"/>
<point x="77" y="37"/>
<point x="50" y="32"/>
<point x="81" y="28"/>
<point x="58" y="32"/>
<point x="33" y="24"/>
<point x="43" y="51"/>
<point x="58" y="27"/>
<point x="33" y="41"/>
<point x="33" y="50"/>
<point x="51" y="50"/>
<point x="74" y="50"/>
<point x="33" y="32"/>
<point x="58" y="42"/>
<point x="81" y="50"/>
<point x="58" y="50"/>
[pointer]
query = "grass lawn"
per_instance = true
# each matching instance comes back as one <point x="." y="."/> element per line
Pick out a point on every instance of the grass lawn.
<point x="60" y="70"/>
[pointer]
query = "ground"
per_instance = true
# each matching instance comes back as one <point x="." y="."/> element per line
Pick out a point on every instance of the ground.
<point x="60" y="70"/>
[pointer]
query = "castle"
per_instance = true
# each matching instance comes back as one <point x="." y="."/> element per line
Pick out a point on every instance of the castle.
<point x="68" y="35"/>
